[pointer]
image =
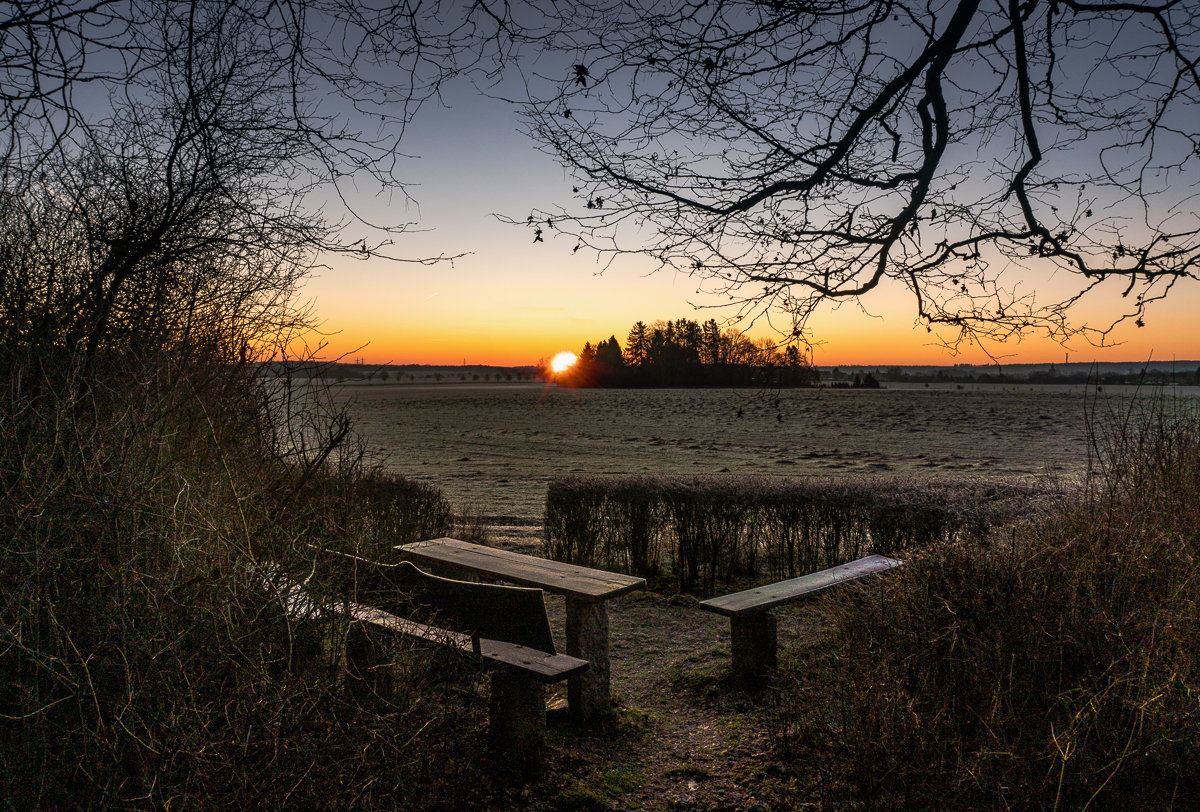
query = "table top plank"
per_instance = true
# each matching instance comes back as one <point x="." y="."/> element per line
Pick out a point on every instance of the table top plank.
<point x="553" y="576"/>
<point x="766" y="597"/>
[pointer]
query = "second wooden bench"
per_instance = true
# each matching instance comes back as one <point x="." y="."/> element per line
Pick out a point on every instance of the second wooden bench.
<point x="752" y="627"/>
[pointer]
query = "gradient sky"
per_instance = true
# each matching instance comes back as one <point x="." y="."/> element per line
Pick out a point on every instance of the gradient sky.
<point x="509" y="301"/>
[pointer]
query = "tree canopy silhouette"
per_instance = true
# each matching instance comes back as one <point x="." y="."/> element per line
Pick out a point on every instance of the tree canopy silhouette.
<point x="685" y="353"/>
<point x="1002" y="160"/>
<point x="169" y="172"/>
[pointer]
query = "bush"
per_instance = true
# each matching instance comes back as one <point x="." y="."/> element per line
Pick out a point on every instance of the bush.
<point x="145" y="661"/>
<point x="370" y="512"/>
<point x="1055" y="668"/>
<point x="709" y="529"/>
<point x="156" y="472"/>
<point x="578" y="526"/>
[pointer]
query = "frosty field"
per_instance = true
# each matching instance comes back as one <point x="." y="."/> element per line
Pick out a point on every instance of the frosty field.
<point x="494" y="447"/>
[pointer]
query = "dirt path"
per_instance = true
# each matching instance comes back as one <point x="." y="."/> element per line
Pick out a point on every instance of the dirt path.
<point x="681" y="737"/>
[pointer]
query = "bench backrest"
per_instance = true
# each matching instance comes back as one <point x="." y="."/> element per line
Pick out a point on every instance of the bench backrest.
<point x="509" y="614"/>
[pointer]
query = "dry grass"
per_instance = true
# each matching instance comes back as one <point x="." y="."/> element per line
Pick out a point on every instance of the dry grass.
<point x="145" y="660"/>
<point x="1052" y="667"/>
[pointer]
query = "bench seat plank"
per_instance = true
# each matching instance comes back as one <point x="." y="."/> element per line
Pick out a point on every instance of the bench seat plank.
<point x="537" y="665"/>
<point x="581" y="583"/>
<point x="399" y="625"/>
<point x="766" y="597"/>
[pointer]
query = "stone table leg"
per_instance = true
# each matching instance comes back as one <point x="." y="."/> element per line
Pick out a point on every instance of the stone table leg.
<point x="587" y="639"/>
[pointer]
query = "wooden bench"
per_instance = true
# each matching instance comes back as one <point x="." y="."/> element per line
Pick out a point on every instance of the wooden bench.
<point x="752" y="627"/>
<point x="586" y="591"/>
<point x="506" y="627"/>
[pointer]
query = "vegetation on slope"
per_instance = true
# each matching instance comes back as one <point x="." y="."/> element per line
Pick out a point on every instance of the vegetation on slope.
<point x="153" y="483"/>
<point x="1052" y="667"/>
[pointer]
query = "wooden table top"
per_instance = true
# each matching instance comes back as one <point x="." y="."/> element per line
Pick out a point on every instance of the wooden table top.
<point x="553" y="576"/>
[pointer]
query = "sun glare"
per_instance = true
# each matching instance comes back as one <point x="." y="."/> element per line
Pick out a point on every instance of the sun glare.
<point x="563" y="361"/>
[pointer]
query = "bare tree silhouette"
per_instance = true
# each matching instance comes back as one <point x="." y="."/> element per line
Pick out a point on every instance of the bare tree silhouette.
<point x="976" y="153"/>
<point x="308" y="74"/>
<point x="164" y="167"/>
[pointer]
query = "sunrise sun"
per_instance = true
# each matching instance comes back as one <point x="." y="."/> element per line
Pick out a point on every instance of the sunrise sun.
<point x="563" y="361"/>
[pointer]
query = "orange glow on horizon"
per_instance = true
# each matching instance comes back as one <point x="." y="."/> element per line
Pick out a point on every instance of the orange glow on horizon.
<point x="881" y="345"/>
<point x="861" y="341"/>
<point x="485" y="329"/>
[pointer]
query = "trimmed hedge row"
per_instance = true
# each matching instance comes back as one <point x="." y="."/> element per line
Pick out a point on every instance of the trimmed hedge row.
<point x="705" y="529"/>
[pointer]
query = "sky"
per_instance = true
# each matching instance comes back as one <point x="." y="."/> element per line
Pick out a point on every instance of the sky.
<point x="507" y="301"/>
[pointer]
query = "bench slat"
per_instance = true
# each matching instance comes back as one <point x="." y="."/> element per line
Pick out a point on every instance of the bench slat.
<point x="532" y="663"/>
<point x="537" y="665"/>
<point x="766" y="597"/>
<point x="399" y="625"/>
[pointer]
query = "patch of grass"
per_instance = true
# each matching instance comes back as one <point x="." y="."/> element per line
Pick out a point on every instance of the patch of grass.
<point x="633" y="721"/>
<point x="616" y="783"/>
<point x="734" y="727"/>
<point x="579" y="799"/>
<point x="688" y="771"/>
<point x="702" y="679"/>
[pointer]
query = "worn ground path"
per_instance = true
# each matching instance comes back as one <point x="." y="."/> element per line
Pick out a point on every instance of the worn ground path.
<point x="681" y="737"/>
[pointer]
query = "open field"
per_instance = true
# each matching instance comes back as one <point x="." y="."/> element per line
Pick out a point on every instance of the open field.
<point x="494" y="447"/>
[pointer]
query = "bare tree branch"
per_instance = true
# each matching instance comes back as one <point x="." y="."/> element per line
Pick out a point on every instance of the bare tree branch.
<point x="792" y="152"/>
<point x="170" y="203"/>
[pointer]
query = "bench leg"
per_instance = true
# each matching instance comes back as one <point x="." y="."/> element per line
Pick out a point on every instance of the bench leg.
<point x="753" y="640"/>
<point x="307" y="644"/>
<point x="517" y="726"/>
<point x="587" y="639"/>
<point x="369" y="673"/>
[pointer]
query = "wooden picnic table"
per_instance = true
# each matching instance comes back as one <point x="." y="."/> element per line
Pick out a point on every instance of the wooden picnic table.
<point x="586" y="590"/>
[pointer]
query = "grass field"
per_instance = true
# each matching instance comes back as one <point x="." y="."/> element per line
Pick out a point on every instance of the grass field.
<point x="494" y="448"/>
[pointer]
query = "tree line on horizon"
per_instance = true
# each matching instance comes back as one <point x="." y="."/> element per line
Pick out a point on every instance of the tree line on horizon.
<point x="684" y="353"/>
<point x="1089" y="376"/>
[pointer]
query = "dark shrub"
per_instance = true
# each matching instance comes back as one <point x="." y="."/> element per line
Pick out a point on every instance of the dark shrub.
<point x="718" y="528"/>
<point x="1052" y="667"/>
